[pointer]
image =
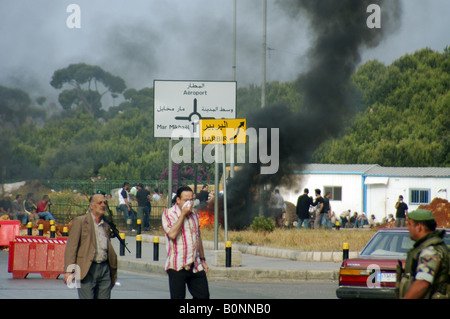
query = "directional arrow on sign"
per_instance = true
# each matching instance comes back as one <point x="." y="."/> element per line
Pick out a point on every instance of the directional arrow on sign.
<point x="223" y="131"/>
<point x="237" y="132"/>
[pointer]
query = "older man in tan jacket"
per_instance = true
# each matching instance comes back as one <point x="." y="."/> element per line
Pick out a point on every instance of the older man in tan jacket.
<point x="90" y="253"/>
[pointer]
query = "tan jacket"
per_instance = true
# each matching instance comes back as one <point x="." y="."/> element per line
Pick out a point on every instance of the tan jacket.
<point x="81" y="246"/>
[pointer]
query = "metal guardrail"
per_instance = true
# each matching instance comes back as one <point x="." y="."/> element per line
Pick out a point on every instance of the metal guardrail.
<point x="91" y="186"/>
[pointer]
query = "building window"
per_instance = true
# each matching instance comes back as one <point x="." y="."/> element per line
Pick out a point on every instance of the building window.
<point x="336" y="192"/>
<point x="420" y="196"/>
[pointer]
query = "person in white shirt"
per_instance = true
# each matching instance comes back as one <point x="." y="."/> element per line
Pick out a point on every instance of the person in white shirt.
<point x="125" y="206"/>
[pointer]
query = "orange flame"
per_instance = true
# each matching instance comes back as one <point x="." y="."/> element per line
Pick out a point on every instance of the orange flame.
<point x="206" y="218"/>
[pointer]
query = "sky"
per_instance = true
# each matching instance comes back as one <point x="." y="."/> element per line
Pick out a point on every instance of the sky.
<point x="146" y="40"/>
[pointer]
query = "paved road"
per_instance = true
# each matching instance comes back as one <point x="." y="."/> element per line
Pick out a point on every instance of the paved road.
<point x="153" y="286"/>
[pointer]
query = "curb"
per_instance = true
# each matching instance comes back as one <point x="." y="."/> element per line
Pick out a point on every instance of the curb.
<point x="259" y="275"/>
<point x="237" y="273"/>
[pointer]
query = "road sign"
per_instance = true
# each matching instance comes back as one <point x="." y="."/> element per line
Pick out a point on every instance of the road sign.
<point x="223" y="131"/>
<point x="182" y="104"/>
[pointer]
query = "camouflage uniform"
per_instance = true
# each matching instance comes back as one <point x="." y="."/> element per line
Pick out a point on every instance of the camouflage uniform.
<point x="428" y="264"/>
<point x="428" y="260"/>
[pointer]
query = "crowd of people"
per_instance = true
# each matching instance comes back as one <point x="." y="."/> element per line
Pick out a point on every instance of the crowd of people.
<point x="144" y="198"/>
<point x="318" y="213"/>
<point x="314" y="213"/>
<point x="26" y="210"/>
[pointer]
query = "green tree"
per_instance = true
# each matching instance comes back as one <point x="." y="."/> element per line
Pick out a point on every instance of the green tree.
<point x="89" y="84"/>
<point x="16" y="108"/>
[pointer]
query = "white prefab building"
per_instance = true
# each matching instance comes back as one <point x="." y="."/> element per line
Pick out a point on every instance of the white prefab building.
<point x="371" y="188"/>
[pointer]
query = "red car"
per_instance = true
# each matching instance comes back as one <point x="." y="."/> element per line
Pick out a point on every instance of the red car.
<point x="373" y="274"/>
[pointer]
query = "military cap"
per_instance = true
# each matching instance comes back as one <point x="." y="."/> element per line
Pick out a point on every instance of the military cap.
<point x="421" y="215"/>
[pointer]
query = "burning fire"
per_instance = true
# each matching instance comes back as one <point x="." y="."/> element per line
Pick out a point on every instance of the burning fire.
<point x="206" y="217"/>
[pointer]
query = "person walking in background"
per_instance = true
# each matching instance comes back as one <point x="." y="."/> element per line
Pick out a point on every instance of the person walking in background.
<point x="319" y="204"/>
<point x="326" y="212"/>
<point x="186" y="263"/>
<point x="143" y="198"/>
<point x="148" y="210"/>
<point x="125" y="205"/>
<point x="302" y="210"/>
<point x="203" y="196"/>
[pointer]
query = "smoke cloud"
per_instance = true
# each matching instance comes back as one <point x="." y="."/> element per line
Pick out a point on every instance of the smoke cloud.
<point x="340" y="34"/>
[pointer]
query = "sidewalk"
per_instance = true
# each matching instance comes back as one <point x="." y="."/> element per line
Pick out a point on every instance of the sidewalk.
<point x="257" y="263"/>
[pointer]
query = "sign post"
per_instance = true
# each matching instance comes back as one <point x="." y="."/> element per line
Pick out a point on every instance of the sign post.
<point x="220" y="132"/>
<point x="183" y="104"/>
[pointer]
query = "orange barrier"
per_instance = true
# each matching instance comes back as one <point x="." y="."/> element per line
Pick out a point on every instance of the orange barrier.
<point x="8" y="230"/>
<point x="37" y="254"/>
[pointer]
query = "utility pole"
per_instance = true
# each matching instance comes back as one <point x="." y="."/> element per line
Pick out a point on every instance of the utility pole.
<point x="264" y="51"/>
<point x="263" y="89"/>
<point x="234" y="79"/>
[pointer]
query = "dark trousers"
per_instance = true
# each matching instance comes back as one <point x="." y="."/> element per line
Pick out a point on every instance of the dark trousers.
<point x="97" y="283"/>
<point x="197" y="284"/>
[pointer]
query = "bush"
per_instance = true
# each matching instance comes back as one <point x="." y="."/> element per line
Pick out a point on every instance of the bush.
<point x="262" y="224"/>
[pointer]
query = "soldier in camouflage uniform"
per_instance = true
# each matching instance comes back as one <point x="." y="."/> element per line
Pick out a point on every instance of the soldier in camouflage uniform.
<point x="426" y="273"/>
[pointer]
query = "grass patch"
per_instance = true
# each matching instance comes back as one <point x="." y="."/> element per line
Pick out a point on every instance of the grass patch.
<point x="297" y="239"/>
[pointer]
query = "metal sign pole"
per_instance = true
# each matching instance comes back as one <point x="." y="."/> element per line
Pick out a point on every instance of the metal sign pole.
<point x="169" y="177"/>
<point x="216" y="199"/>
<point x="225" y="215"/>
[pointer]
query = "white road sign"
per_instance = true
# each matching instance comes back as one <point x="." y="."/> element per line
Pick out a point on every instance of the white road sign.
<point x="182" y="104"/>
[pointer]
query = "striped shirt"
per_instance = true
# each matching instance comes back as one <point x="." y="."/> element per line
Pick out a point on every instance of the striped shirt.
<point x="184" y="250"/>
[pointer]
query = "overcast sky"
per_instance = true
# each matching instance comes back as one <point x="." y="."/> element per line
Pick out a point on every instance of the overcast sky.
<point x="144" y="40"/>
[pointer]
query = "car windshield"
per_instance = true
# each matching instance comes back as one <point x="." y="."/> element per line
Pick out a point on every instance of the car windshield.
<point x="392" y="243"/>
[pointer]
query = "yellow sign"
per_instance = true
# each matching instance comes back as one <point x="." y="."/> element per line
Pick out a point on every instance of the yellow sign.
<point x="223" y="131"/>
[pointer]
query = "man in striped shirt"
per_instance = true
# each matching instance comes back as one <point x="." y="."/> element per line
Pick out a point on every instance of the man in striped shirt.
<point x="186" y="264"/>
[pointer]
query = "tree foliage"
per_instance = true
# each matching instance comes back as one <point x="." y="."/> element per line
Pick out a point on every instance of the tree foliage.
<point x="406" y="117"/>
<point x="16" y="109"/>
<point x="403" y="120"/>
<point x="86" y="81"/>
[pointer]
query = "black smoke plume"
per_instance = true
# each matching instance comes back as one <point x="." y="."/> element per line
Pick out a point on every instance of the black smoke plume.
<point x="339" y="33"/>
